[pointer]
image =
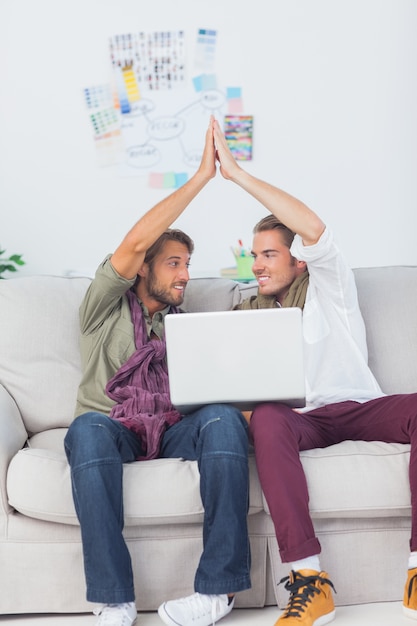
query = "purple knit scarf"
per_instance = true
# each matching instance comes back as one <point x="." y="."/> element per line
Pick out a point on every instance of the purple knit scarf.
<point x="140" y="387"/>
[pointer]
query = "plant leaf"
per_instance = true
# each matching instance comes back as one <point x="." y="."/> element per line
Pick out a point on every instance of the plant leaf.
<point x="17" y="258"/>
<point x="7" y="268"/>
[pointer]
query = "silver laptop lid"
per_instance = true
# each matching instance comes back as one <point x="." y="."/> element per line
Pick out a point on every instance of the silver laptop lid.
<point x="237" y="357"/>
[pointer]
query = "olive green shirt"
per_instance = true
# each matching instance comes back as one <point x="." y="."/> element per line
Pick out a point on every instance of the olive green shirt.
<point x="107" y="337"/>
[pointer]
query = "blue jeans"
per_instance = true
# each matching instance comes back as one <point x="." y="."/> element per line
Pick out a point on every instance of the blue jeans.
<point x="216" y="437"/>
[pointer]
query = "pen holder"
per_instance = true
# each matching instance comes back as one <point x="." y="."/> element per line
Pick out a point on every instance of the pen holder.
<point x="244" y="267"/>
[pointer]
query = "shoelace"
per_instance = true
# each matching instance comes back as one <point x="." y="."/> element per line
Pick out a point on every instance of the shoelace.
<point x="113" y="615"/>
<point x="302" y="589"/>
<point x="410" y="585"/>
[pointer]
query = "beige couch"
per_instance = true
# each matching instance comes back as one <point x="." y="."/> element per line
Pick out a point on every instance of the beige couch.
<point x="360" y="498"/>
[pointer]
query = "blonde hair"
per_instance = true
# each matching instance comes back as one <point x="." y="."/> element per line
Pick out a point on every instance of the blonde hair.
<point x="270" y="222"/>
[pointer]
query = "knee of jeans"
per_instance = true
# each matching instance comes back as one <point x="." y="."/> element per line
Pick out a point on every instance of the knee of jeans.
<point x="82" y="430"/>
<point x="226" y="427"/>
<point x="228" y="414"/>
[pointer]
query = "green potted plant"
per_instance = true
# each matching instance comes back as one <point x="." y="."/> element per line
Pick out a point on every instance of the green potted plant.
<point x="10" y="264"/>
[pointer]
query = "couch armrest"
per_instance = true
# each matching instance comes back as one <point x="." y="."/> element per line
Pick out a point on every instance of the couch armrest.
<point x="12" y="438"/>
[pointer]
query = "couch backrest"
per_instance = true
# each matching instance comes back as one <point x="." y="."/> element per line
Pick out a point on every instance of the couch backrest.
<point x="211" y="294"/>
<point x="39" y="356"/>
<point x="39" y="330"/>
<point x="388" y="301"/>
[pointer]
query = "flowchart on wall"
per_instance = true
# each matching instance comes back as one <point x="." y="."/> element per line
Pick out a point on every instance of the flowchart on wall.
<point x="152" y="118"/>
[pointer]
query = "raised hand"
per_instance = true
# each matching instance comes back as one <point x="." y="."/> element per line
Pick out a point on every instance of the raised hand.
<point x="229" y="168"/>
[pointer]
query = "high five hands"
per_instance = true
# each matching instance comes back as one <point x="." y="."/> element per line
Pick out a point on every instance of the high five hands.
<point x="229" y="168"/>
<point x="216" y="149"/>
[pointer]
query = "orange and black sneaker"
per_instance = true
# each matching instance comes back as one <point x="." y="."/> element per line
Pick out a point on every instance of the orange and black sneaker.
<point x="311" y="600"/>
<point x="410" y="594"/>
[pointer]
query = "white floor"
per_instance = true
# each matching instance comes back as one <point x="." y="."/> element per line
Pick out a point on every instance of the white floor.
<point x="384" y="614"/>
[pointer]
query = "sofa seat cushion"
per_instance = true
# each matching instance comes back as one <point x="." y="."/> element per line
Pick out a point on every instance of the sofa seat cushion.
<point x="358" y="479"/>
<point x="161" y="491"/>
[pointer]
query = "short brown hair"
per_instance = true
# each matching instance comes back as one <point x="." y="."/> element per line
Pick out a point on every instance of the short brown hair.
<point x="270" y="222"/>
<point x="171" y="234"/>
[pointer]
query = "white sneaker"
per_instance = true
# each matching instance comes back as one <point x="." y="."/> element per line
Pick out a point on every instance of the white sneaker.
<point x="116" y="614"/>
<point x="195" y="610"/>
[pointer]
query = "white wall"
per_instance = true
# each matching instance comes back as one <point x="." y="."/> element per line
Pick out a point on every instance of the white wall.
<point x="331" y="84"/>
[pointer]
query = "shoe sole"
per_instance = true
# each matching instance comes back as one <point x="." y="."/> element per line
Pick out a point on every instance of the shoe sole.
<point x="165" y="617"/>
<point x="170" y="622"/>
<point x="325" y="619"/>
<point x="409" y="612"/>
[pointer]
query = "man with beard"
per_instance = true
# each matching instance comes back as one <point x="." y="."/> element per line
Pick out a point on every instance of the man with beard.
<point x="124" y="414"/>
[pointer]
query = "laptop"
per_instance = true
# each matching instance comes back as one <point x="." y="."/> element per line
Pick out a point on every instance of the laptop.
<point x="235" y="357"/>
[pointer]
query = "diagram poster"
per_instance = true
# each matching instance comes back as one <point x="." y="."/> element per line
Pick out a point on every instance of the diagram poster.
<point x="154" y="115"/>
<point x="164" y="109"/>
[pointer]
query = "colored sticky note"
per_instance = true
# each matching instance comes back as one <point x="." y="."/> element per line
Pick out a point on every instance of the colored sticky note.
<point x="234" y="106"/>
<point x="169" y="180"/>
<point x="205" y="82"/>
<point x="156" y="180"/>
<point x="209" y="81"/>
<point x="198" y="83"/>
<point x="233" y="92"/>
<point x="180" y="179"/>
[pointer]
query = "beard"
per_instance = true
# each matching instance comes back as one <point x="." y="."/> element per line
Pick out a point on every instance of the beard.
<point x="163" y="294"/>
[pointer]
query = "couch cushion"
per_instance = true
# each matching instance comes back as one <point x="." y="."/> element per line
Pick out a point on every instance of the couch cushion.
<point x="40" y="367"/>
<point x="358" y="479"/>
<point x="211" y="294"/>
<point x="39" y="486"/>
<point x="388" y="301"/>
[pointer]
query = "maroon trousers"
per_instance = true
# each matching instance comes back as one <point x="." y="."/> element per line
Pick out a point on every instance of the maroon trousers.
<point x="279" y="434"/>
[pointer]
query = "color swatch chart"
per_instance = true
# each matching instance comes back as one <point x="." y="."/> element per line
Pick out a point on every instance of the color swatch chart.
<point x="238" y="131"/>
<point x="98" y="96"/>
<point x="103" y="115"/>
<point x="105" y="121"/>
<point x="205" y="50"/>
<point x="147" y="61"/>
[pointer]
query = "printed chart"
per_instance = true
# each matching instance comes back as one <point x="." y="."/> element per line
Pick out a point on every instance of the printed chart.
<point x="153" y="117"/>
